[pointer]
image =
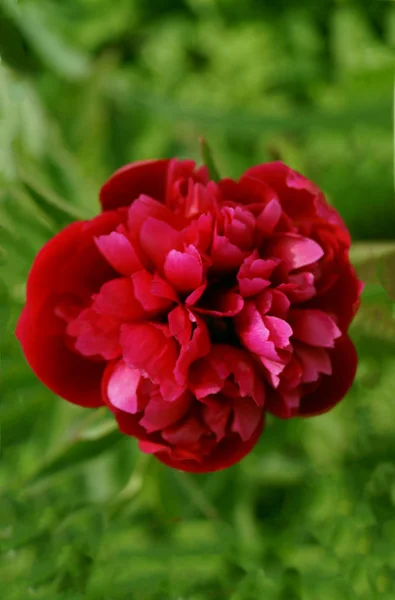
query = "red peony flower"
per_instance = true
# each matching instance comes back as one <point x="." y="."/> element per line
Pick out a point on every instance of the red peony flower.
<point x="190" y="308"/>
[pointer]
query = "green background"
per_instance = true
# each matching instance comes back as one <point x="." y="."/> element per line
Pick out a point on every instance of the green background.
<point x="88" y="85"/>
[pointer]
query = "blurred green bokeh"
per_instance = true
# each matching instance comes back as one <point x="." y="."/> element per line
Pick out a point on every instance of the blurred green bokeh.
<point x="88" y="85"/>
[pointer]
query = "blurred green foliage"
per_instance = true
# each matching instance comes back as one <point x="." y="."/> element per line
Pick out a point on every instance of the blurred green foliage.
<point x="87" y="85"/>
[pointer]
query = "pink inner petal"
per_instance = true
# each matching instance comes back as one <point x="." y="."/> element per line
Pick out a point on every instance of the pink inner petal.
<point x="314" y="361"/>
<point x="96" y="335"/>
<point x="184" y="270"/>
<point x="159" y="414"/>
<point x="295" y="251"/>
<point x="157" y="238"/>
<point x="142" y="282"/>
<point x="122" y="388"/>
<point x="119" y="252"/>
<point x="180" y="324"/>
<point x="226" y="256"/>
<point x="269" y="217"/>
<point x="198" y="346"/>
<point x="117" y="299"/>
<point x="145" y="347"/>
<point x="280" y="331"/>
<point x="314" y="327"/>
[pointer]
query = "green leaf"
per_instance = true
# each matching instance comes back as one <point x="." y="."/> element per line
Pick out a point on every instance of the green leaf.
<point x="47" y="200"/>
<point x="86" y="444"/>
<point x="33" y="22"/>
<point x="208" y="160"/>
<point x="13" y="45"/>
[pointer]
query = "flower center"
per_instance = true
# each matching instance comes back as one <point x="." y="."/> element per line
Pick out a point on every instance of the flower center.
<point x="222" y="331"/>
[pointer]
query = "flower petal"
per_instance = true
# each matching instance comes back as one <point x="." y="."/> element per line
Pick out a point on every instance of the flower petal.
<point x="96" y="335"/>
<point x="145" y="347"/>
<point x="69" y="375"/>
<point x="333" y="387"/>
<point x="157" y="238"/>
<point x="269" y="217"/>
<point x="246" y="417"/>
<point x="117" y="299"/>
<point x="294" y="250"/>
<point x="119" y="252"/>
<point x="314" y="327"/>
<point x="198" y="346"/>
<point x="159" y="414"/>
<point x="180" y="324"/>
<point x="314" y="361"/>
<point x="151" y="303"/>
<point x="184" y="270"/>
<point x="125" y="185"/>
<point x="122" y="388"/>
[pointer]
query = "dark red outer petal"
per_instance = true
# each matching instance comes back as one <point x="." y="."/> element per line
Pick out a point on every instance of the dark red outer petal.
<point x="68" y="265"/>
<point x="333" y="387"/>
<point x="342" y="298"/>
<point x="67" y="374"/>
<point x="228" y="452"/>
<point x="147" y="177"/>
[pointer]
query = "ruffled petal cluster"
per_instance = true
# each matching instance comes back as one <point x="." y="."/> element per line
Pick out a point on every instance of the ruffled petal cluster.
<point x="190" y="308"/>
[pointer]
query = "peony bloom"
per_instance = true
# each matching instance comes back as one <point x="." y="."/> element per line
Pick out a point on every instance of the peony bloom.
<point x="190" y="308"/>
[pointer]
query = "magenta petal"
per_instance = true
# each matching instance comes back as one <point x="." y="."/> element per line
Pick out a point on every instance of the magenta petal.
<point x="162" y="289"/>
<point x="195" y="295"/>
<point x="122" y="388"/>
<point x="226" y="256"/>
<point x="280" y="304"/>
<point x="159" y="414"/>
<point x="294" y="250"/>
<point x="119" y="252"/>
<point x="314" y="361"/>
<point x="251" y="329"/>
<point x="184" y="270"/>
<point x="204" y="380"/>
<point x="252" y="287"/>
<point x="254" y="274"/>
<point x="199" y="233"/>
<point x="153" y="448"/>
<point x="280" y="331"/>
<point x="180" y="324"/>
<point x="157" y="238"/>
<point x="269" y="217"/>
<point x="198" y="346"/>
<point x="145" y="347"/>
<point x="216" y="416"/>
<point x="97" y="335"/>
<point x="314" y="327"/>
<point x="274" y="368"/>
<point x="144" y="208"/>
<point x="186" y="434"/>
<point x="246" y="417"/>
<point x="142" y="282"/>
<point x="300" y="287"/>
<point x="117" y="299"/>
